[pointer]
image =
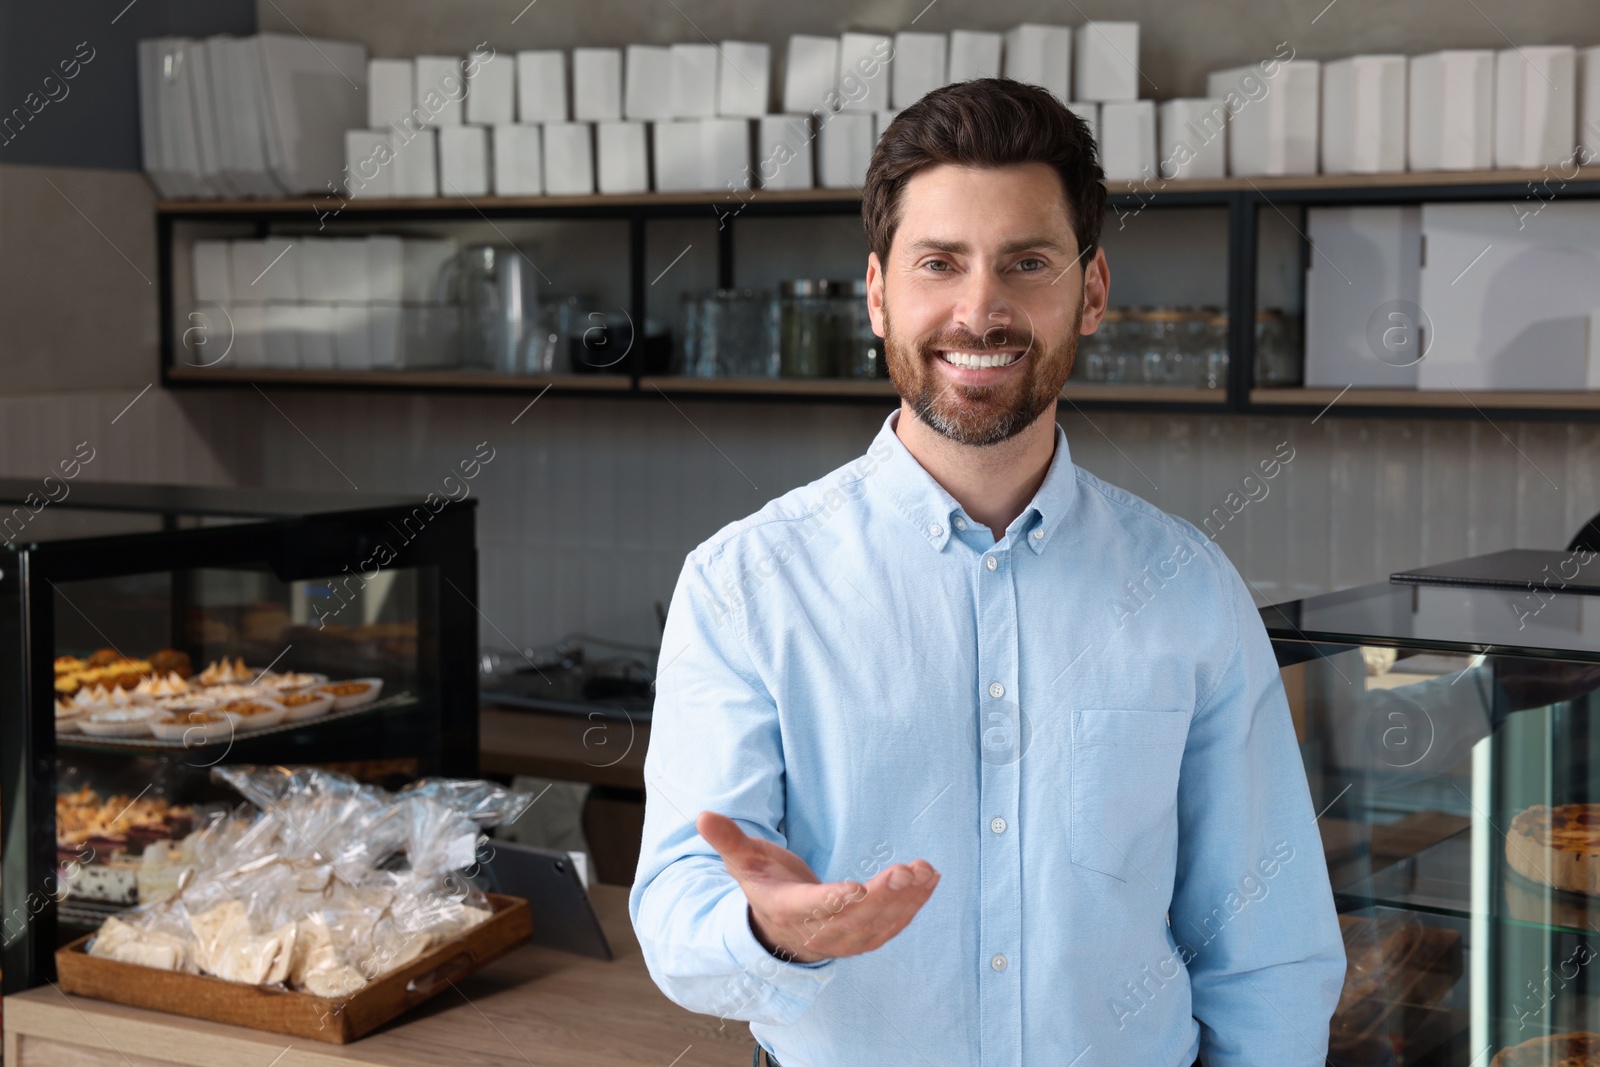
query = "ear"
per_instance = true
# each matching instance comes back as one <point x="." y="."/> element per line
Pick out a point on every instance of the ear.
<point x="875" y="293"/>
<point x="1096" y="291"/>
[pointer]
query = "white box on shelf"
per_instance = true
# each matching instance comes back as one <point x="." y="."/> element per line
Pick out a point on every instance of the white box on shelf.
<point x="783" y="151"/>
<point x="693" y="93"/>
<point x="596" y="84"/>
<point x="881" y="120"/>
<point x="425" y="257"/>
<point x="725" y="147"/>
<point x="1450" y="110"/>
<point x="249" y="347"/>
<point x="1089" y="112"/>
<point x="677" y="153"/>
<point x="368" y="170"/>
<point x="974" y="54"/>
<point x="1535" y="115"/>
<point x="352" y="337"/>
<point x="491" y="88"/>
<point x="518" y="162"/>
<point x="1589" y="104"/>
<point x="415" y="166"/>
<point x="280" y="327"/>
<point x="1041" y="55"/>
<point x="385" y="335"/>
<point x="744" y="79"/>
<point x="212" y="272"/>
<point x="1128" y="140"/>
<point x="386" y="262"/>
<point x="441" y="85"/>
<point x="921" y="65"/>
<point x="1193" y="139"/>
<point x="464" y="161"/>
<point x="391" y="91"/>
<point x="1275" y="132"/>
<point x="1364" y="115"/>
<point x="267" y="269"/>
<point x="1510" y="297"/>
<point x="844" y="149"/>
<point x="568" y="158"/>
<point x="542" y="85"/>
<point x="864" y="71"/>
<point x="1363" y="287"/>
<point x="317" y="341"/>
<point x="624" y="164"/>
<point x="810" y="73"/>
<point x="330" y="269"/>
<point x="1105" y="65"/>
<point x="647" y="85"/>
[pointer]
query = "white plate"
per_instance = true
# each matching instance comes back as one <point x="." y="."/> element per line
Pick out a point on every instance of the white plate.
<point x="276" y="682"/>
<point x="180" y="728"/>
<point x="355" y="700"/>
<point x="274" y="714"/>
<point x="68" y="724"/>
<point x="134" y="722"/>
<point x="297" y="712"/>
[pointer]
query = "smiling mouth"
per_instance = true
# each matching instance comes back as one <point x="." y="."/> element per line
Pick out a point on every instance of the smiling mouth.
<point x="979" y="360"/>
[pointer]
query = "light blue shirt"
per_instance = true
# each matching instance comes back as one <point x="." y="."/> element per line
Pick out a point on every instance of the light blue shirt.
<point x="1081" y="726"/>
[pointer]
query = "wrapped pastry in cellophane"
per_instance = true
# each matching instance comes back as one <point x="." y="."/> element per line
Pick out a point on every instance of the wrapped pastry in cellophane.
<point x="323" y="886"/>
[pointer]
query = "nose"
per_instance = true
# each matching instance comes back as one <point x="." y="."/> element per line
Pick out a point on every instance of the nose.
<point x="983" y="310"/>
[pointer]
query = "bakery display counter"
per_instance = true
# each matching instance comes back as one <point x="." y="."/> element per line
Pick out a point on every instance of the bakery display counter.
<point x="534" y="1005"/>
<point x="150" y="634"/>
<point x="1449" y="734"/>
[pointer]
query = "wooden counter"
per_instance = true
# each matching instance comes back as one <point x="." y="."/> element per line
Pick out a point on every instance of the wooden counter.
<point x="573" y="748"/>
<point x="535" y="1006"/>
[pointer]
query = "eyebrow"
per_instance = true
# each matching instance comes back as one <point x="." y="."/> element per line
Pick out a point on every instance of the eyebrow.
<point x="961" y="248"/>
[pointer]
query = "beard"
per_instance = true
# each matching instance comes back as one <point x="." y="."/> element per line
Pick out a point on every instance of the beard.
<point x="979" y="414"/>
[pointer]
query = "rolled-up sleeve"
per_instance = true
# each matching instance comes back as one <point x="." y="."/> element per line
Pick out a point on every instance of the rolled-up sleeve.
<point x="1252" y="911"/>
<point x="714" y="746"/>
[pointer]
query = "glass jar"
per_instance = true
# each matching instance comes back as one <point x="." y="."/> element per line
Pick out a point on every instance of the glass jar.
<point x="1127" y="353"/>
<point x="1215" y="350"/>
<point x="1161" y="358"/>
<point x="736" y="322"/>
<point x="688" y="345"/>
<point x="806" y="329"/>
<point x="1097" y="352"/>
<point x="861" y="353"/>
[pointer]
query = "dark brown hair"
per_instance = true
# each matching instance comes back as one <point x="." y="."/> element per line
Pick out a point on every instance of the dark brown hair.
<point x="989" y="122"/>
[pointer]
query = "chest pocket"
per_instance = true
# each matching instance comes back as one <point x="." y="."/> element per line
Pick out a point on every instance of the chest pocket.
<point x="1124" y="787"/>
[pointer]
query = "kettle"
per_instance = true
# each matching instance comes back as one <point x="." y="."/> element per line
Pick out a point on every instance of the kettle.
<point x="493" y="287"/>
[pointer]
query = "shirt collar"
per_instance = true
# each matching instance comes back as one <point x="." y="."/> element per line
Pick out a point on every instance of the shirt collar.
<point x="907" y="485"/>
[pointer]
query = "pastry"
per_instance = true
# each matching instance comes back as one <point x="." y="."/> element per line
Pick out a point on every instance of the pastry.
<point x="1558" y="847"/>
<point x="1558" y="1050"/>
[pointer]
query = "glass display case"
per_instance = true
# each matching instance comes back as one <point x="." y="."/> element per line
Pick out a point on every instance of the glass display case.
<point x="1448" y="734"/>
<point x="149" y="633"/>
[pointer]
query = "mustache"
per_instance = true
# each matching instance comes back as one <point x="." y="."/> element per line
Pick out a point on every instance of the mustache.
<point x="995" y="340"/>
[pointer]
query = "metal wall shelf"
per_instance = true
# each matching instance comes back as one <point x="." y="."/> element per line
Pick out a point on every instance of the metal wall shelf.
<point x="1243" y="198"/>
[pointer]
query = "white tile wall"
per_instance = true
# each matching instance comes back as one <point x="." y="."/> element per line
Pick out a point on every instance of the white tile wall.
<point x="590" y="505"/>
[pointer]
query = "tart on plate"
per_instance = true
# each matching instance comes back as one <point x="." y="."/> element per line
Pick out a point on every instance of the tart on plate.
<point x="354" y="693"/>
<point x="131" y="721"/>
<point x="1558" y="847"/>
<point x="1580" y="1049"/>
<point x="305" y="705"/>
<point x="193" y="727"/>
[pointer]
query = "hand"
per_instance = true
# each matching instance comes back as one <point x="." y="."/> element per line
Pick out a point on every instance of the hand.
<point x="795" y="915"/>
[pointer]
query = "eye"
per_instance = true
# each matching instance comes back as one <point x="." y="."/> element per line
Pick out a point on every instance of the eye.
<point x="937" y="265"/>
<point x="1037" y="264"/>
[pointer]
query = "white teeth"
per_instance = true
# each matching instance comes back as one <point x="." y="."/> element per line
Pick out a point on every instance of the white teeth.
<point x="978" y="361"/>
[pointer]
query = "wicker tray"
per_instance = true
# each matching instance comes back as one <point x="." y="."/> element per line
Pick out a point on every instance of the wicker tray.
<point x="297" y="1014"/>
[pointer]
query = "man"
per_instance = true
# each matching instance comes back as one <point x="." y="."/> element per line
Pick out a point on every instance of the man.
<point x="943" y="739"/>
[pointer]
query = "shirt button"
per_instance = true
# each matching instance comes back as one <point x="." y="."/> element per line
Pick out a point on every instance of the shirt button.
<point x="1038" y="535"/>
<point x="998" y="963"/>
<point x="935" y="530"/>
<point x="961" y="524"/>
<point x="989" y="561"/>
<point x="997" y="690"/>
<point x="997" y="824"/>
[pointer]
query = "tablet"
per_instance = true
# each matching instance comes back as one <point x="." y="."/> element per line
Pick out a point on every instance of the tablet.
<point x="563" y="917"/>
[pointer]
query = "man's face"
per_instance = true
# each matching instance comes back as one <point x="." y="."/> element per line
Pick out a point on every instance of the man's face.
<point x="987" y="298"/>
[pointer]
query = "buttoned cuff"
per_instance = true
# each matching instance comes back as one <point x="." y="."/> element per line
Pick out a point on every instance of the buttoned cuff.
<point x="788" y="988"/>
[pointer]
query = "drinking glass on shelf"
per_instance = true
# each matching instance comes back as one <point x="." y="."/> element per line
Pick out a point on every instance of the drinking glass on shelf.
<point x="1215" y="349"/>
<point x="743" y="347"/>
<point x="1097" y="352"/>
<point x="688" y="345"/>
<point x="1162" y="350"/>
<point x="1127" y="355"/>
